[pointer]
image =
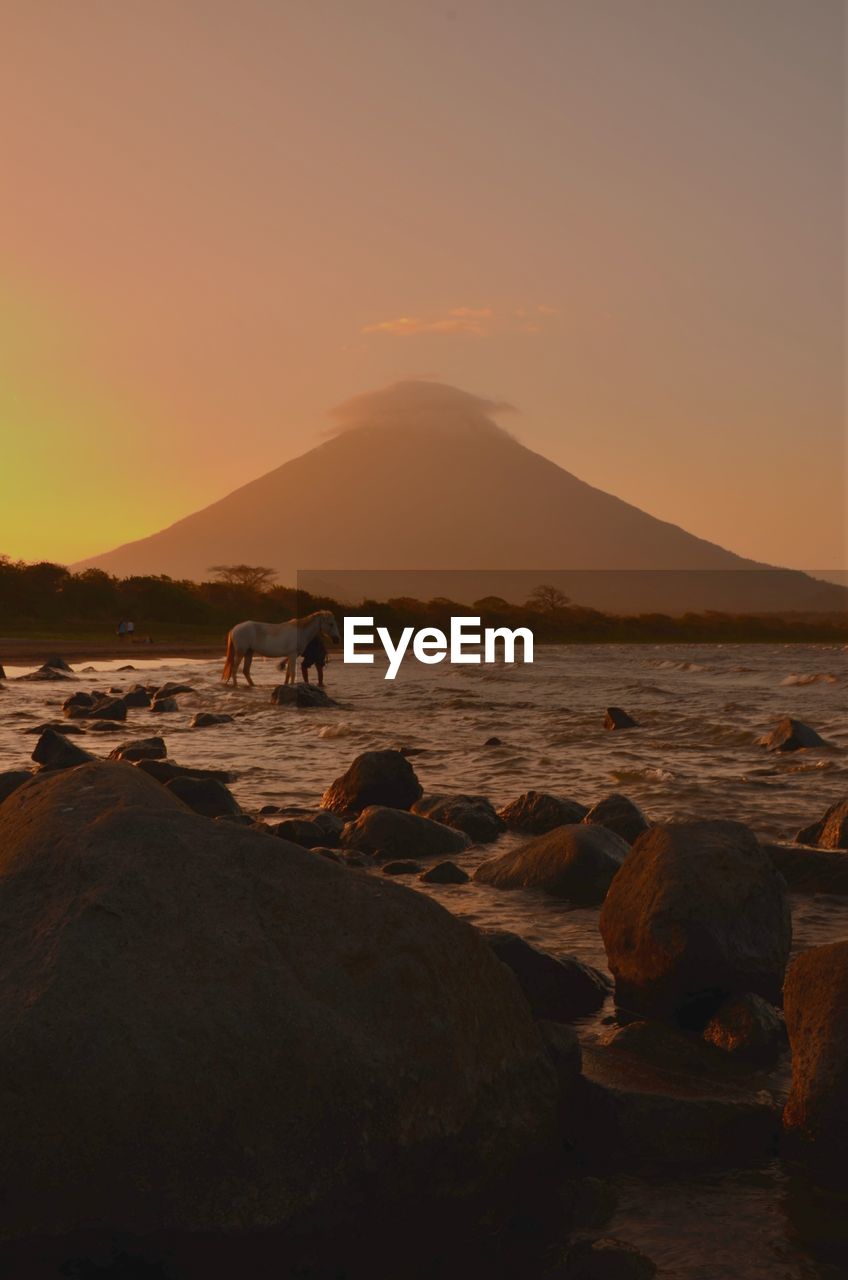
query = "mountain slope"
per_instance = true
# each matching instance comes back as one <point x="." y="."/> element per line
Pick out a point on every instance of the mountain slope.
<point x="421" y="478"/>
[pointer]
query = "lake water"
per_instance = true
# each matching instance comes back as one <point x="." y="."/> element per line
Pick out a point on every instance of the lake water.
<point x="701" y="711"/>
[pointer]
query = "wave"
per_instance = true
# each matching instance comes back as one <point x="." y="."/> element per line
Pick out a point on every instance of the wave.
<point x="816" y="677"/>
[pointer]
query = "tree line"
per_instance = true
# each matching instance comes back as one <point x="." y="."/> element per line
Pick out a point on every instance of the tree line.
<point x="51" y="596"/>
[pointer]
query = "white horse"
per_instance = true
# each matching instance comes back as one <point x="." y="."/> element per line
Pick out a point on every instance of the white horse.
<point x="275" y="640"/>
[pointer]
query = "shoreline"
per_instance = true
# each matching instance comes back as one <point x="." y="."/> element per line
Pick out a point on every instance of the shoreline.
<point x="19" y="652"/>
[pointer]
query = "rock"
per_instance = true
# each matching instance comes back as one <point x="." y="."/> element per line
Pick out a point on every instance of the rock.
<point x="811" y="870"/>
<point x="53" y="751"/>
<point x="605" y="1259"/>
<point x="128" y="666"/>
<point x="140" y="749"/>
<point x="445" y="873"/>
<point x="105" y="726"/>
<point x="815" y="1002"/>
<point x="170" y="688"/>
<point x="558" y="990"/>
<point x="475" y="815"/>
<point x="619" y="814"/>
<point x="58" y="726"/>
<point x="536" y="812"/>
<point x="831" y="830"/>
<point x="493" y="742"/>
<point x="57" y="663"/>
<point x="747" y="1027"/>
<point x="375" y="777"/>
<point x="206" y="719"/>
<point x="137" y="696"/>
<point x="563" y="1046"/>
<point x="394" y="833"/>
<point x="301" y="831"/>
<point x="166" y="770"/>
<point x="668" y="1049"/>
<point x="627" y="1112"/>
<point x="301" y="695"/>
<point x="791" y="735"/>
<point x="80" y="701"/>
<point x="107" y="709"/>
<point x="2" y="672"/>
<point x="164" y="704"/>
<point x="697" y="913"/>
<point x="575" y="862"/>
<point x="183" y="1009"/>
<point x="11" y="779"/>
<point x="329" y="824"/>
<point x="401" y="867"/>
<point x="45" y="673"/>
<point x="204" y="796"/>
<point x="616" y="718"/>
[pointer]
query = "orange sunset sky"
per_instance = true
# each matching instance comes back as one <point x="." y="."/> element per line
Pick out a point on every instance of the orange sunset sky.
<point x="625" y="217"/>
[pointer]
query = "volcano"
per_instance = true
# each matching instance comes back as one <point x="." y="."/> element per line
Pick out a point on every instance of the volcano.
<point x="420" y="492"/>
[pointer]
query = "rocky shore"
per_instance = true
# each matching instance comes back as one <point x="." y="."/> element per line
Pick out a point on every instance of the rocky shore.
<point x="233" y="1035"/>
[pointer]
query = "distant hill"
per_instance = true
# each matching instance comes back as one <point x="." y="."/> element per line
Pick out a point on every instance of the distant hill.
<point x="421" y="478"/>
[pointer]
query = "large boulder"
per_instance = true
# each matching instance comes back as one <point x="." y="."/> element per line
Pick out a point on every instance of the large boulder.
<point x="577" y="862"/>
<point x="831" y="830"/>
<point x="200" y="1034"/>
<point x="140" y="749"/>
<point x="791" y="735"/>
<point x="475" y="815"/>
<point x="815" y="1002"/>
<point x="557" y="989"/>
<point x="11" y="779"/>
<point x="536" y="812"/>
<point x="697" y="913"/>
<point x="393" y="833"/>
<point x="375" y="777"/>
<point x="619" y="814"/>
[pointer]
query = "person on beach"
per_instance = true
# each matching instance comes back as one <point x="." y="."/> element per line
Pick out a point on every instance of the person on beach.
<point x="314" y="655"/>
<point x="121" y="629"/>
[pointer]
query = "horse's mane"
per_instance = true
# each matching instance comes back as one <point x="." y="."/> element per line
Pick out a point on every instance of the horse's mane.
<point x="310" y="617"/>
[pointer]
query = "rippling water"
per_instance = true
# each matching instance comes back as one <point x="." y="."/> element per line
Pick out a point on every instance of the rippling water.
<point x="701" y="711"/>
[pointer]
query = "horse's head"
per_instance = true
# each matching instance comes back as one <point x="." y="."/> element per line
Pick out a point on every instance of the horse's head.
<point x="329" y="626"/>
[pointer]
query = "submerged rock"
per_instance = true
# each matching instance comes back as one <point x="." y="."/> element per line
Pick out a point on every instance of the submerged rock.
<point x="164" y="704"/>
<point x="393" y="833"/>
<point x="137" y="696"/>
<point x="616" y="718"/>
<point x="577" y="862"/>
<point x="809" y="870"/>
<point x="536" y="812"/>
<point x="206" y="719"/>
<point x="401" y="867"/>
<point x="697" y="913"/>
<point x="557" y="989"/>
<point x="140" y="749"/>
<point x="57" y="663"/>
<point x="182" y="1008"/>
<point x="301" y="695"/>
<point x="171" y="688"/>
<point x="619" y="814"/>
<point x="815" y="1001"/>
<point x="94" y="706"/>
<point x="374" y="778"/>
<point x="475" y="815"/>
<point x="831" y="830"/>
<point x="46" y="673"/>
<point x="165" y="770"/>
<point x="205" y="796"/>
<point x="747" y="1027"/>
<point x="791" y="735"/>
<point x="445" y="873"/>
<point x="302" y="831"/>
<point x="54" y="751"/>
<point x="58" y="726"/>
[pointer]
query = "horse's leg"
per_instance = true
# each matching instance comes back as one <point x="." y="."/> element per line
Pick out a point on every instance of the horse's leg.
<point x="236" y="661"/>
<point x="289" y="671"/>
<point x="248" y="659"/>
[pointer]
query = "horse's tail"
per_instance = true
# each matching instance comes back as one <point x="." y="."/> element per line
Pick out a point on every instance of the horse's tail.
<point x="229" y="659"/>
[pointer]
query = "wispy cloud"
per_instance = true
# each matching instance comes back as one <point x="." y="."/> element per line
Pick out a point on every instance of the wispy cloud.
<point x="478" y="322"/>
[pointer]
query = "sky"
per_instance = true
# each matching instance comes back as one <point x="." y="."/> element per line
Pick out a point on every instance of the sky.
<point x="624" y="217"/>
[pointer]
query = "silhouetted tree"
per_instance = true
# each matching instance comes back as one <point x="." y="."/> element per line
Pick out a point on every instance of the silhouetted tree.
<point x="255" y="577"/>
<point x="547" y="599"/>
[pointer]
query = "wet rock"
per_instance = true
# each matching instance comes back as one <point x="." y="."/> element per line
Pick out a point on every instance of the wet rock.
<point x="697" y="913"/>
<point x="45" y="673"/>
<point x="184" y="1008"/>
<point x="536" y="812"/>
<point x="301" y="831"/>
<point x="128" y="666"/>
<point x="374" y="778"/>
<point x="791" y="735"/>
<point x="301" y="695"/>
<point x="80" y="701"/>
<point x="328" y="823"/>
<point x="630" y="1113"/>
<point x="831" y="830"/>
<point x="57" y="663"/>
<point x="604" y="1259"/>
<point x="140" y="749"/>
<point x="206" y="719"/>
<point x="619" y="814"/>
<point x="557" y="989"/>
<point x="445" y="873"/>
<point x="747" y="1027"/>
<point x="493" y="742"/>
<point x="54" y="751"/>
<point x="137" y="696"/>
<point x="11" y="779"/>
<point x="171" y="688"/>
<point x="811" y="870"/>
<point x="577" y="862"/>
<point x="166" y="770"/>
<point x="563" y="1046"/>
<point x="164" y="705"/>
<point x="204" y="796"/>
<point x="105" y="726"/>
<point x="2" y="672"/>
<point x="616" y="718"/>
<point x="58" y="726"/>
<point x="394" y="833"/>
<point x="108" y="709"/>
<point x="401" y="867"/>
<point x="475" y="815"/>
<point x="94" y="706"/>
<point x="815" y="1002"/>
